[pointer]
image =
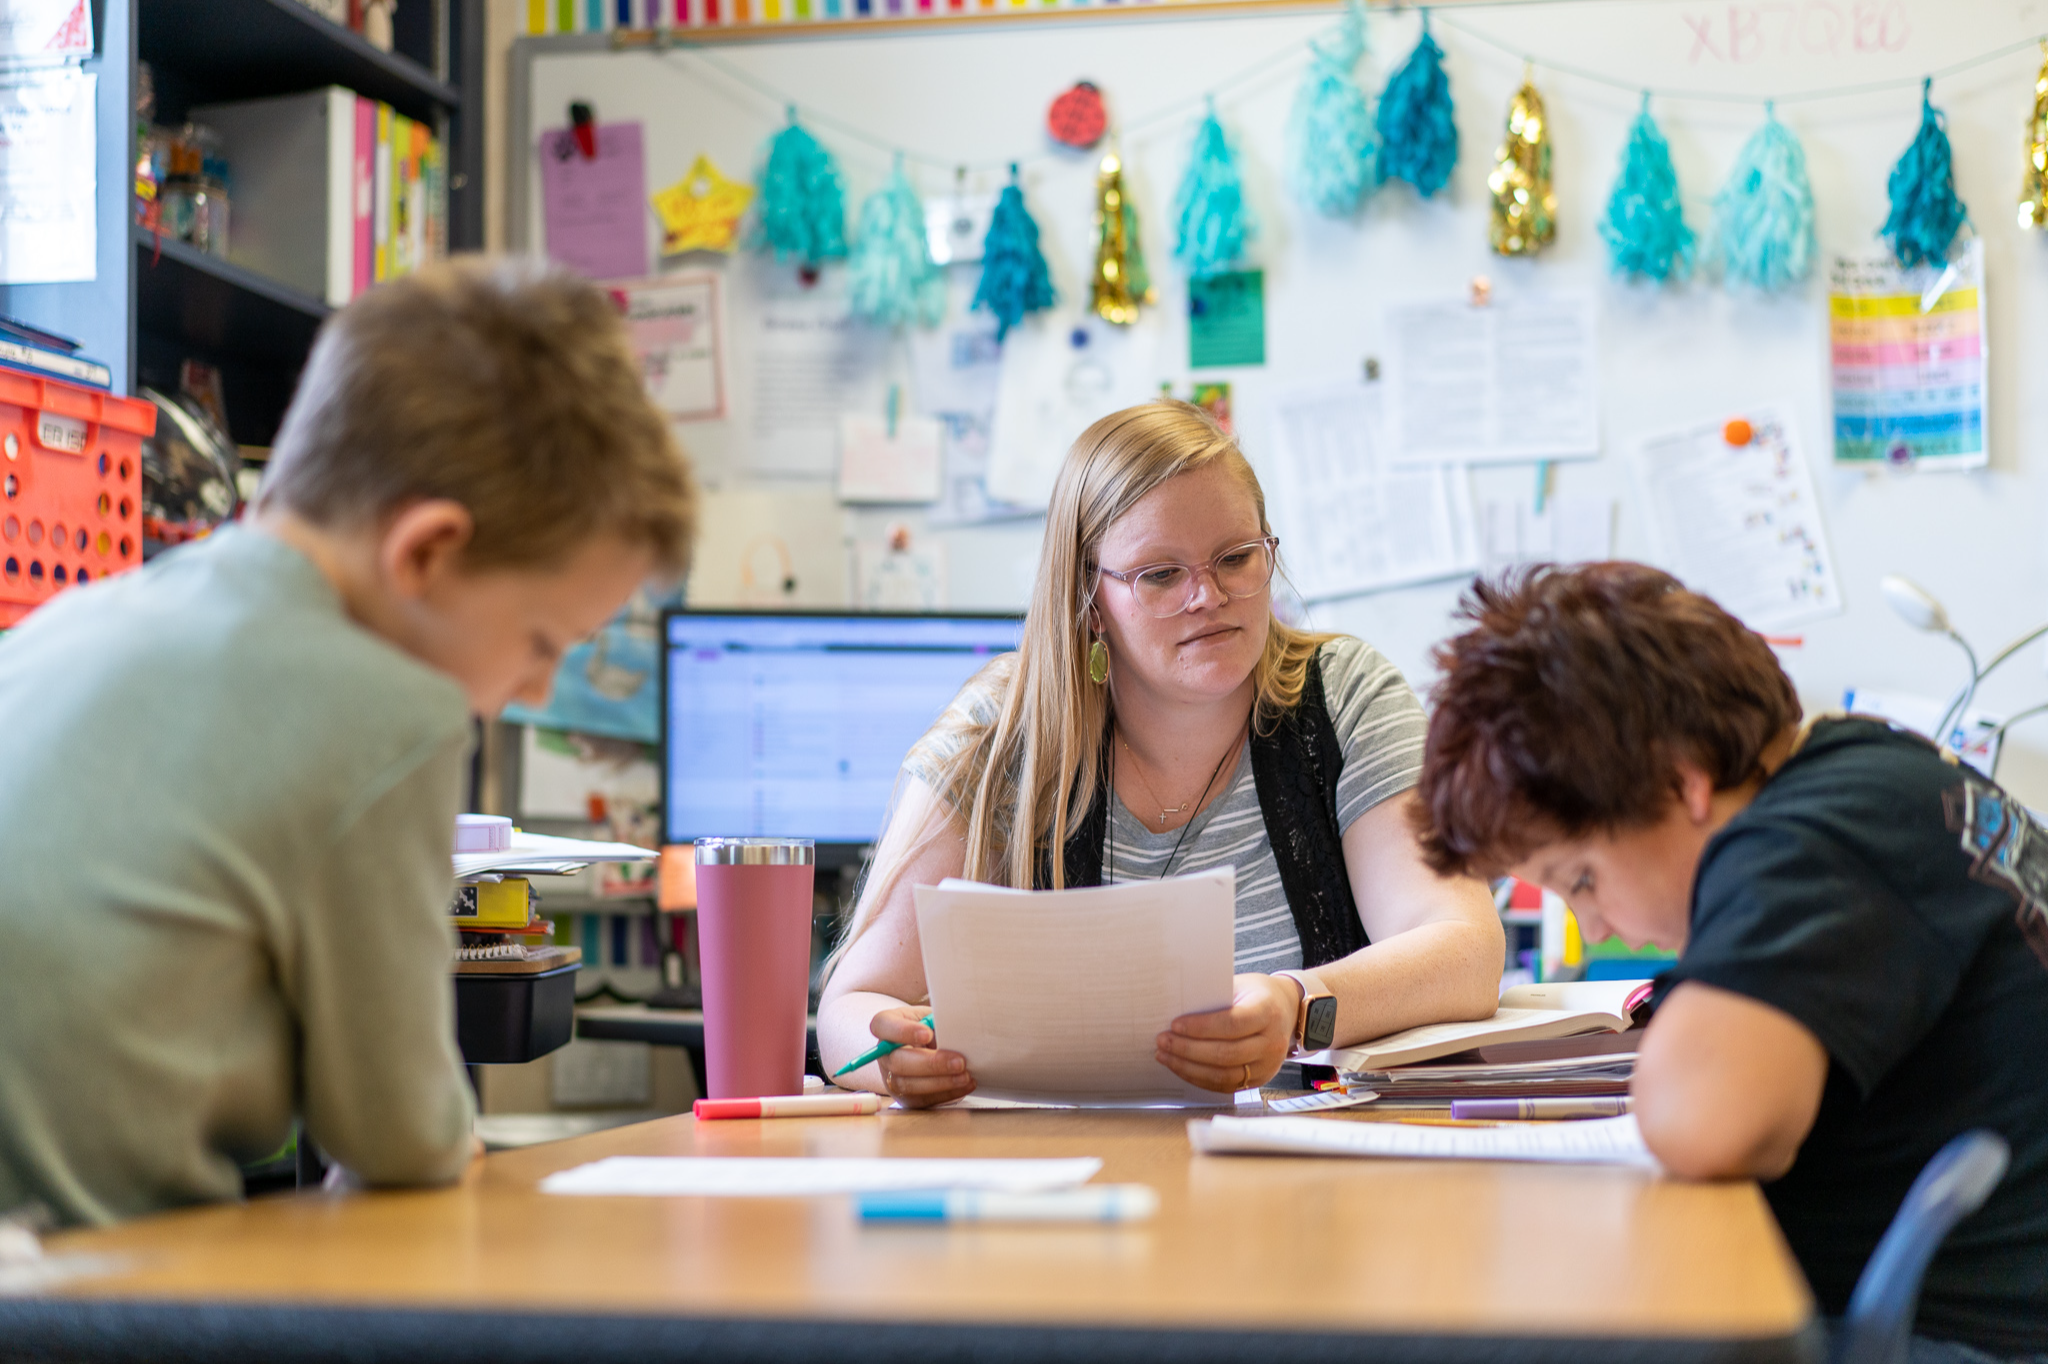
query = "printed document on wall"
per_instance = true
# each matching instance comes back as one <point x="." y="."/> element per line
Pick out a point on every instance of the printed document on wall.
<point x="1909" y="362"/>
<point x="1741" y="523"/>
<point x="48" y="230"/>
<point x="1347" y="522"/>
<point x="45" y="30"/>
<point x="1058" y="378"/>
<point x="813" y="363"/>
<point x="1512" y="380"/>
<point x="675" y="328"/>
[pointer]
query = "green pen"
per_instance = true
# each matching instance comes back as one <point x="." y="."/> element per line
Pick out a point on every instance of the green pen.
<point x="876" y="1053"/>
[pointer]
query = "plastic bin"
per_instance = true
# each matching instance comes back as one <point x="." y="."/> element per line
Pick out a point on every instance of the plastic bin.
<point x="70" y="487"/>
<point x="514" y="1018"/>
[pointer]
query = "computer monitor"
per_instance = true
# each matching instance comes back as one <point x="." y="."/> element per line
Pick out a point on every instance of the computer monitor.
<point x="796" y="723"/>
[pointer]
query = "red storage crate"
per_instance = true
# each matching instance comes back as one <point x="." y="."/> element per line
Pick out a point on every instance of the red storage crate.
<point x="70" y="487"/>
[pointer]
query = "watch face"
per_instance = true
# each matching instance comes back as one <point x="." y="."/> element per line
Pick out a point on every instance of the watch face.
<point x="1322" y="1024"/>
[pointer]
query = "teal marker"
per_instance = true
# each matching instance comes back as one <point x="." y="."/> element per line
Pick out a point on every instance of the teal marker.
<point x="876" y="1053"/>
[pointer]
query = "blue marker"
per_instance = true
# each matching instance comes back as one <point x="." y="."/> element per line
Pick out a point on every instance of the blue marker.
<point x="1082" y="1204"/>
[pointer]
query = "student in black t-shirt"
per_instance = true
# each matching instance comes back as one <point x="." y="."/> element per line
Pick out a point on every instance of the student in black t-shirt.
<point x="1862" y="923"/>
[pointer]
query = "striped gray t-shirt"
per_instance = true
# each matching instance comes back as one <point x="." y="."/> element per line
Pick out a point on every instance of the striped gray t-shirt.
<point x="1381" y="726"/>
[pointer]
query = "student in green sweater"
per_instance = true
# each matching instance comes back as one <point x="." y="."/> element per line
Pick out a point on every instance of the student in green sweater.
<point x="229" y="780"/>
<point x="1861" y="921"/>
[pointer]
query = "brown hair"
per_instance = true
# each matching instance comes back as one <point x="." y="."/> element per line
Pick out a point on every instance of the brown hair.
<point x="1565" y="708"/>
<point x="504" y="384"/>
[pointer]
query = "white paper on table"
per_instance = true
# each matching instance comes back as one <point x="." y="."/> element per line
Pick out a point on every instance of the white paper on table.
<point x="45" y="30"/>
<point x="534" y="851"/>
<point x="48" y="182"/>
<point x="1514" y="380"/>
<point x="813" y="361"/>
<point x="1059" y="995"/>
<point x="875" y="466"/>
<point x="1053" y="390"/>
<point x="1348" y="523"/>
<point x="1608" y="1142"/>
<point x="1741" y="524"/>
<point x="768" y="1176"/>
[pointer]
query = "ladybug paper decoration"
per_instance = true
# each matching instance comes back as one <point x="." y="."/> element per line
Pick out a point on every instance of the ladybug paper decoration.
<point x="1077" y="118"/>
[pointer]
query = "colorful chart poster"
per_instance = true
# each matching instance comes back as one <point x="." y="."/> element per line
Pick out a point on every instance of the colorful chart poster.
<point x="677" y="331"/>
<point x="1909" y="362"/>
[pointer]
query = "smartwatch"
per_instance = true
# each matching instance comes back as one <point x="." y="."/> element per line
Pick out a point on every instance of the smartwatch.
<point x="1315" y="1023"/>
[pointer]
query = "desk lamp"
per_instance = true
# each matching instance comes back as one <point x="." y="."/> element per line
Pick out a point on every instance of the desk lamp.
<point x="1919" y="609"/>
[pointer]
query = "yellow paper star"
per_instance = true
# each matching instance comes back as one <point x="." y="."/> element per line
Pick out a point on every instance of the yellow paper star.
<point x="701" y="212"/>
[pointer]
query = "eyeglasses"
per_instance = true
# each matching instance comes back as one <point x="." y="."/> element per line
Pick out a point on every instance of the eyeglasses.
<point x="1169" y="589"/>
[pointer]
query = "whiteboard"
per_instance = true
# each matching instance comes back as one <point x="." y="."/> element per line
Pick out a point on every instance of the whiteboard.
<point x="1669" y="357"/>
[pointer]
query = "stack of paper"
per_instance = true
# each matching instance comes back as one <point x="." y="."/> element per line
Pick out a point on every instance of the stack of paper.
<point x="543" y="853"/>
<point x="1601" y="1141"/>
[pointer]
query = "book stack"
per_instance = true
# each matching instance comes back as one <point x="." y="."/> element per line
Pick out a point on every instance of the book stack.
<point x="333" y="192"/>
<point x="35" y="351"/>
<point x="495" y="909"/>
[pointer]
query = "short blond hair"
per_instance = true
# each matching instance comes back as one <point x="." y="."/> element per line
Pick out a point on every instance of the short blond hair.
<point x="502" y="383"/>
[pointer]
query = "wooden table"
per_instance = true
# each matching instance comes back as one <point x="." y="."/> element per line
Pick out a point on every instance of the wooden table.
<point x="1249" y="1258"/>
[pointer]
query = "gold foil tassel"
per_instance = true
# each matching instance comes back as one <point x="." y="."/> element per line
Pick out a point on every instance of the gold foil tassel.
<point x="1524" y="207"/>
<point x="1121" y="282"/>
<point x="2034" y="184"/>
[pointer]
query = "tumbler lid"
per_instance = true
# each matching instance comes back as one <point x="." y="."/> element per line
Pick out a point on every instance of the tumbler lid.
<point x="768" y="851"/>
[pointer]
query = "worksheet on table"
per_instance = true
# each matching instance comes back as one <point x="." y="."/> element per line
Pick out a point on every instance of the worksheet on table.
<point x="1059" y="995"/>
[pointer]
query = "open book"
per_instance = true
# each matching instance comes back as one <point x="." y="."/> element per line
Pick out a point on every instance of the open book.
<point x="1058" y="995"/>
<point x="1557" y="1009"/>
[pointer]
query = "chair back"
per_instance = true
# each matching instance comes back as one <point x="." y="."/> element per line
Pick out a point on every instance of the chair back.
<point x="1951" y="1187"/>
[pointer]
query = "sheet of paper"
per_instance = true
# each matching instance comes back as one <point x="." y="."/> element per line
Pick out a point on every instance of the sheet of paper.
<point x="1909" y="362"/>
<point x="1426" y="1041"/>
<point x="1227" y="319"/>
<point x="1571" y="529"/>
<point x="767" y="1176"/>
<point x="1059" y="994"/>
<point x="889" y="577"/>
<point x="1741" y="523"/>
<point x="759" y="547"/>
<point x="964" y="499"/>
<point x="813" y="362"/>
<point x="677" y="330"/>
<point x="529" y="850"/>
<point x="45" y="30"/>
<point x="1347" y="522"/>
<point x="876" y="465"/>
<point x="956" y="367"/>
<point x="1606" y="1142"/>
<point x="594" y="212"/>
<point x="1513" y="380"/>
<point x="48" y="229"/>
<point x="1059" y="378"/>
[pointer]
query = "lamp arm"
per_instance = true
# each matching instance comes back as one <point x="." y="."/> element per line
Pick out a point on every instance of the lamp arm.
<point x="2015" y="647"/>
<point x="1960" y="707"/>
<point x="1998" y="735"/>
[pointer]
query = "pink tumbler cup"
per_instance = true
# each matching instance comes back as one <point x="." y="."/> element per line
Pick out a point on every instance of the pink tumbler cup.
<point x="754" y="935"/>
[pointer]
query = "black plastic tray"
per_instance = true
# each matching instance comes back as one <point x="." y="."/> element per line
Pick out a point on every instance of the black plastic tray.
<point x="514" y="1018"/>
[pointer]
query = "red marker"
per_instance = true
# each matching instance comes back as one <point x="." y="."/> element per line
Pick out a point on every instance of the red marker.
<point x="790" y="1106"/>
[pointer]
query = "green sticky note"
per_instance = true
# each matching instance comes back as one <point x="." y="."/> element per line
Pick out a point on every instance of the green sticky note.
<point x="1227" y="319"/>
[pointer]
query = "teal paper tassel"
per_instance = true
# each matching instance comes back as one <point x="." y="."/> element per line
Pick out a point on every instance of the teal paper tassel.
<point x="1418" y="134"/>
<point x="1763" y="216"/>
<point x="803" y="207"/>
<point x="1645" y="226"/>
<point x="1925" y="211"/>
<point x="891" y="277"/>
<point x="1214" y="223"/>
<point x="1013" y="275"/>
<point x="1329" y="129"/>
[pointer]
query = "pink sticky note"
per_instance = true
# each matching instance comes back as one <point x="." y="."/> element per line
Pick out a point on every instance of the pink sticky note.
<point x="596" y="210"/>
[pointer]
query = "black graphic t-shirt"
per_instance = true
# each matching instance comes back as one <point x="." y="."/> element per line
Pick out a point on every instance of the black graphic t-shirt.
<point x="1896" y="905"/>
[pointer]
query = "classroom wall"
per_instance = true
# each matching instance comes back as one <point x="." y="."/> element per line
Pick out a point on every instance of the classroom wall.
<point x="1669" y="356"/>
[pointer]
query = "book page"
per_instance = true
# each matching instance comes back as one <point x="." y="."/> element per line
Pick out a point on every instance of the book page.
<point x="1614" y="1141"/>
<point x="1430" y="1041"/>
<point x="1607" y="997"/>
<point x="1058" y="995"/>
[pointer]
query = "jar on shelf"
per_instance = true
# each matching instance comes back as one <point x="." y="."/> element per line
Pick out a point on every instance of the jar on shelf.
<point x="194" y="198"/>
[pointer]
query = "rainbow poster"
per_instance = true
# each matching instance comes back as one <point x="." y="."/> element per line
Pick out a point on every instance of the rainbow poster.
<point x="1909" y="362"/>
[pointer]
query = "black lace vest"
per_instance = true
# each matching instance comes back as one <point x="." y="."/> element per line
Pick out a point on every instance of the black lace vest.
<point x="1296" y="768"/>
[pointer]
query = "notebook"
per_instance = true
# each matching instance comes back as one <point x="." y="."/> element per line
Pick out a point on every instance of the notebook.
<point x="1557" y="1009"/>
<point x="1608" y="1142"/>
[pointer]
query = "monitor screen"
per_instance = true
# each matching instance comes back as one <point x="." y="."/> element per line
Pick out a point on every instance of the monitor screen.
<point x="778" y="723"/>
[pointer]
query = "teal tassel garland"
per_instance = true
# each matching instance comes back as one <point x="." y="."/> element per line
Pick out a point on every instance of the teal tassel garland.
<point x="1645" y="225"/>
<point x="891" y="278"/>
<point x="803" y="207"/>
<point x="1013" y="275"/>
<point x="1763" y="216"/>
<point x="1418" y="133"/>
<point x="1926" y="215"/>
<point x="1329" y="127"/>
<point x="1214" y="223"/>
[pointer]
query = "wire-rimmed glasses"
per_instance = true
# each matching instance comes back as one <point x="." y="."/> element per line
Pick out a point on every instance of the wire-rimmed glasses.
<point x="1168" y="589"/>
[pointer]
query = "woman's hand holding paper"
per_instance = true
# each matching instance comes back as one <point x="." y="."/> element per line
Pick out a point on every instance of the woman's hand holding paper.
<point x="919" y="1073"/>
<point x="1232" y="1049"/>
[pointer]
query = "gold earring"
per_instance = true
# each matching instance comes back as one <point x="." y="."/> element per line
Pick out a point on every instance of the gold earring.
<point x="1098" y="663"/>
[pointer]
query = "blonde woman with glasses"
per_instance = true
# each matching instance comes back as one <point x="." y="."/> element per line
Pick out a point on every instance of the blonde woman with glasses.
<point x="1157" y="719"/>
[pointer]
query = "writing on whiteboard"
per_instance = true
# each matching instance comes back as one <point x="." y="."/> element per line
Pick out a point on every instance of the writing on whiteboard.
<point x="1795" y="28"/>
